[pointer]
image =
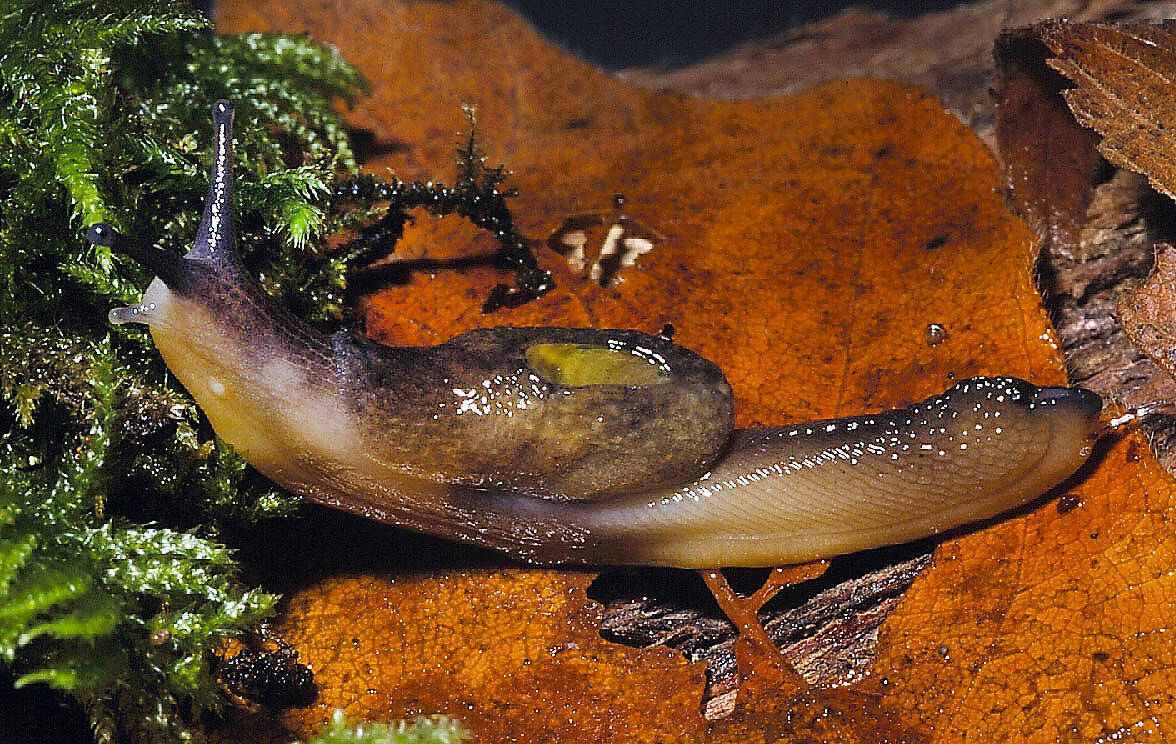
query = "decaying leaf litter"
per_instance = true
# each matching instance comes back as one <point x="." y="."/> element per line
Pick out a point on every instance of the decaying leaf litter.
<point x="672" y="177"/>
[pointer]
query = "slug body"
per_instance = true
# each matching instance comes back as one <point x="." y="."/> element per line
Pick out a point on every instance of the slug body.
<point x="578" y="445"/>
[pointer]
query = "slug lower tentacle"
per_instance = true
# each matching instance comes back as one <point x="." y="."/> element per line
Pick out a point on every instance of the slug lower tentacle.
<point x="578" y="445"/>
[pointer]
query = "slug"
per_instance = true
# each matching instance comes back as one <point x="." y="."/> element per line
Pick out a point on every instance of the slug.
<point x="578" y="445"/>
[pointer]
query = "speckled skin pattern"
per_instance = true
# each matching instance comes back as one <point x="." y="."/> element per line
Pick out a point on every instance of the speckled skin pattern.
<point x="471" y="411"/>
<point x="465" y="440"/>
<point x="837" y="486"/>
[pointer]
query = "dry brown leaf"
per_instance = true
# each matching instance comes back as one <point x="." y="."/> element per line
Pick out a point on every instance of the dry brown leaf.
<point x="1148" y="313"/>
<point x="1124" y="78"/>
<point x="1099" y="223"/>
<point x="810" y="241"/>
<point x="1050" y="162"/>
<point x="946" y="48"/>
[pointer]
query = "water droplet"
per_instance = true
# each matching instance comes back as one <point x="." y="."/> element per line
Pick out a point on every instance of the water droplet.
<point x="935" y="334"/>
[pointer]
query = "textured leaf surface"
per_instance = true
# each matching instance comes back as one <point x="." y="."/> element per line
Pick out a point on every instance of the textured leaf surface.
<point x="505" y="651"/>
<point x="809" y="243"/>
<point x="1148" y="313"/>
<point x="1123" y="79"/>
<point x="790" y="224"/>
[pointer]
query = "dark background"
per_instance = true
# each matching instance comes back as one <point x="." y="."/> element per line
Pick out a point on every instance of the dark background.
<point x="613" y="34"/>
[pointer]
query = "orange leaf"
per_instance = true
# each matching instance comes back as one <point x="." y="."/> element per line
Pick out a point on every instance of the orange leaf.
<point x="809" y="240"/>
<point x="505" y="651"/>
<point x="1053" y="629"/>
<point x="809" y="243"/>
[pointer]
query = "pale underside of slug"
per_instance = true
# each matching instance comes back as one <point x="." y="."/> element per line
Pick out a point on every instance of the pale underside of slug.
<point x="580" y="445"/>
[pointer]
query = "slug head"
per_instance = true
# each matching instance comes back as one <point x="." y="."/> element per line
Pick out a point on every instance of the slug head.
<point x="210" y="321"/>
<point x="211" y="266"/>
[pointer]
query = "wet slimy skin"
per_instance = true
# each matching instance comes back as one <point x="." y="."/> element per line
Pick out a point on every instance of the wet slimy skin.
<point x="578" y="445"/>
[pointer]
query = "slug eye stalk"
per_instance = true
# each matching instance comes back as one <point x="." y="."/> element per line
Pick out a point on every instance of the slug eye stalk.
<point x="216" y="238"/>
<point x="166" y="265"/>
<point x="210" y="273"/>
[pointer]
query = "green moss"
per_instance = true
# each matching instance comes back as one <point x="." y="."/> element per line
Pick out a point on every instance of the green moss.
<point x="81" y="597"/>
<point x="112" y="585"/>
<point x="475" y="195"/>
<point x="436" y="730"/>
<point x="104" y="115"/>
